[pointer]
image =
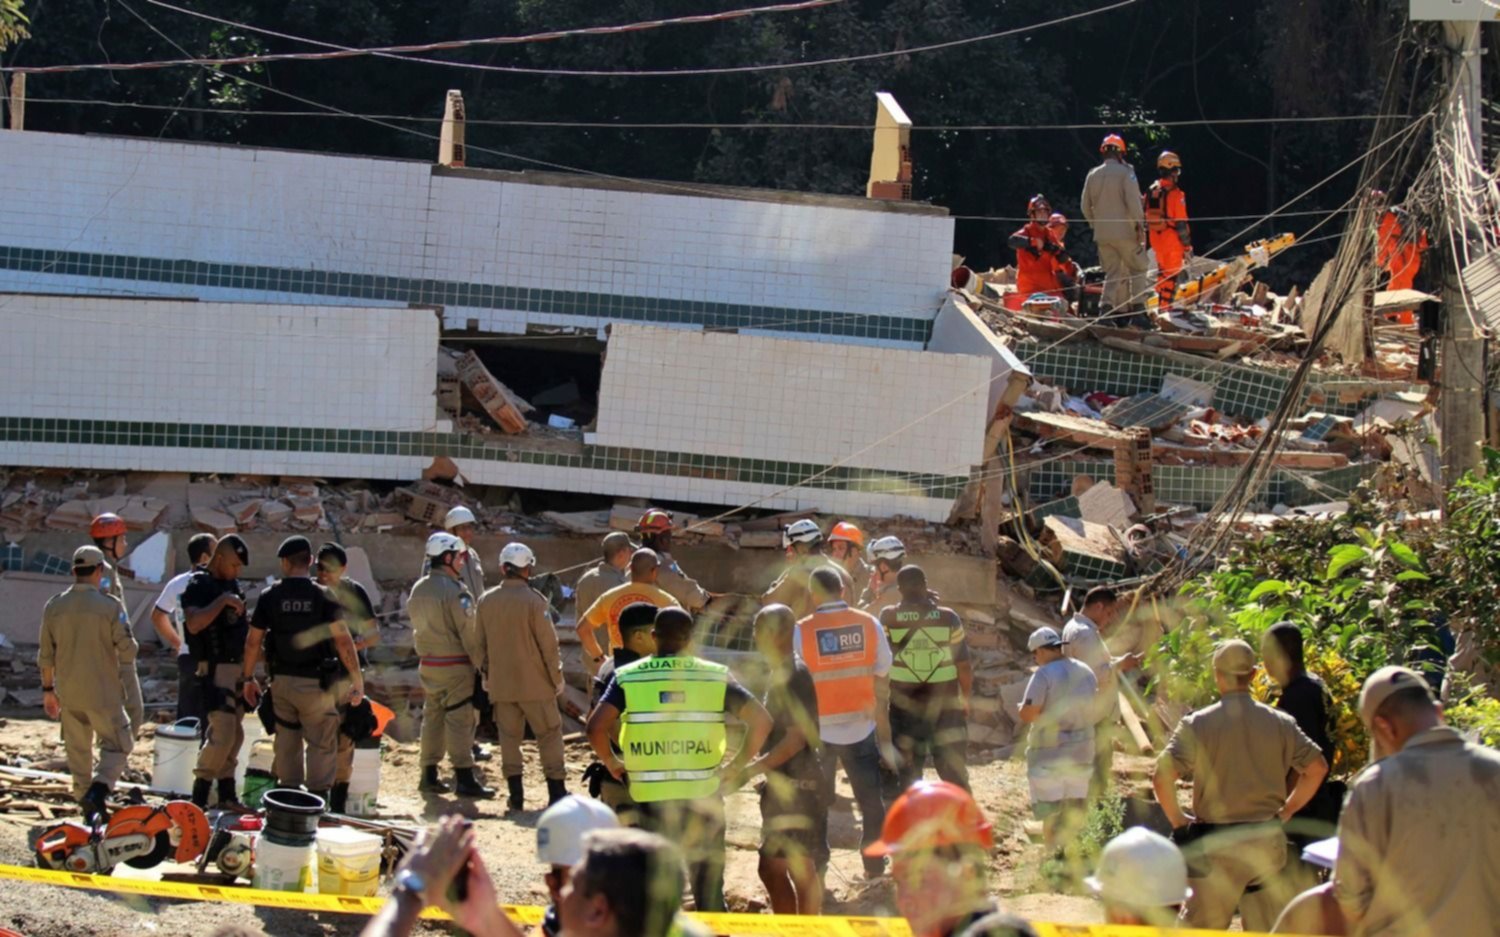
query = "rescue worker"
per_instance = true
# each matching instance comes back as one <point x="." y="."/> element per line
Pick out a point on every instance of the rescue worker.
<point x="888" y="555"/>
<point x="108" y="533"/>
<point x="1064" y="267"/>
<point x="1397" y="250"/>
<point x="166" y="618"/>
<point x="1111" y="202"/>
<point x="308" y="643"/>
<point x="645" y="567"/>
<point x="1058" y="704"/>
<point x="610" y="571"/>
<point x="932" y="681"/>
<point x="670" y="709"/>
<point x="850" y="660"/>
<point x="805" y="553"/>
<point x="1167" y="225"/>
<point x="213" y="610"/>
<point x="1240" y="754"/>
<point x="1083" y="641"/>
<point x="1039" y="255"/>
<point x="938" y="841"/>
<point x="846" y="547"/>
<point x="522" y="668"/>
<point x="637" y="634"/>
<point x="447" y="642"/>
<point x="1141" y="880"/>
<point x="460" y="522"/>
<point x="1418" y="851"/>
<point x="358" y="616"/>
<point x="85" y="639"/>
<point x="559" y="846"/>
<point x="656" y="529"/>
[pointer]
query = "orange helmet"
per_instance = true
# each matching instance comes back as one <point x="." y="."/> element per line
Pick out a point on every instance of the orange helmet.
<point x="848" y="533"/>
<point x="1168" y="160"/>
<point x="106" y="525"/>
<point x="655" y="521"/>
<point x="932" y="814"/>
<point x="1058" y="218"/>
<point x="1115" y="141"/>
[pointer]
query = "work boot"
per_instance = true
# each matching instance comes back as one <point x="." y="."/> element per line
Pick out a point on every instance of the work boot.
<point x="517" y="793"/>
<point x="338" y="798"/>
<point x="201" y="789"/>
<point x="467" y="784"/>
<point x="431" y="783"/>
<point x="556" y="790"/>
<point x="92" y="802"/>
<point x="227" y="800"/>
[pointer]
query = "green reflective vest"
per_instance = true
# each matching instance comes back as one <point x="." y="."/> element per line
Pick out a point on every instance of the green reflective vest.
<point x="925" y="641"/>
<point x="672" y="735"/>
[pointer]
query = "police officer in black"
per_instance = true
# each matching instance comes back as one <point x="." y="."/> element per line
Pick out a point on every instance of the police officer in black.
<point x="308" y="651"/>
<point x="213" y="609"/>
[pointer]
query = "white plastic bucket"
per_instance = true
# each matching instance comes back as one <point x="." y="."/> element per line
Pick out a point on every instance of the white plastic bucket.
<point x="175" y="757"/>
<point x="254" y="732"/>
<point x="283" y="868"/>
<point x="348" y="862"/>
<point x="364" y="783"/>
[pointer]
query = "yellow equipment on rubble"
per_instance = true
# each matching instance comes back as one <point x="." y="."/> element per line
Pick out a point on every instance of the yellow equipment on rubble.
<point x="1257" y="254"/>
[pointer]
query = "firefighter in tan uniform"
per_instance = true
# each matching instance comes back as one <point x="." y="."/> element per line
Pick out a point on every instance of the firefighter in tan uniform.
<point x="1240" y="754"/>
<point x="656" y="534"/>
<point x="213" y="610"/>
<point x="108" y="533"/>
<point x="447" y="642"/>
<point x="308" y="646"/>
<point x="83" y="648"/>
<point x="523" y="670"/>
<point x="888" y="554"/>
<point x="805" y="554"/>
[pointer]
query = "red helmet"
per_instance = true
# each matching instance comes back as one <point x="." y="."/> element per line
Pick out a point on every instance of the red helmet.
<point x="106" y="525"/>
<point x="1038" y="203"/>
<point x="1114" y="141"/>
<point x="848" y="533"/>
<point x="655" y="521"/>
<point x="932" y="814"/>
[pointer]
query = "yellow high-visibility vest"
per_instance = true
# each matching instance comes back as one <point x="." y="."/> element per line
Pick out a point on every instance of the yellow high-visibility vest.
<point x="672" y="736"/>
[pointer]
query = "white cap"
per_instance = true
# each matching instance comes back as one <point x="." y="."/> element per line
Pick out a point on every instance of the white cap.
<point x="456" y="516"/>
<point x="1044" y="637"/>
<point x="518" y="555"/>
<point x="804" y="531"/>
<point x="561" y="828"/>
<point x="887" y="548"/>
<point x="1140" y="869"/>
<point x="440" y="543"/>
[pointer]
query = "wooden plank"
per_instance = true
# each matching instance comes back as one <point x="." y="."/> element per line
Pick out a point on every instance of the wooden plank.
<point x="503" y="406"/>
<point x="1176" y="454"/>
<point x="1071" y="427"/>
<point x="1133" y="724"/>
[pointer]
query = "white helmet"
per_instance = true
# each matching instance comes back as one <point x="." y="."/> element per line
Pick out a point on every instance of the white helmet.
<point x="457" y="516"/>
<point x="804" y="531"/>
<point x="1140" y="869"/>
<point x="440" y="543"/>
<point x="887" y="548"/>
<point x="562" y="826"/>
<point x="518" y="555"/>
<point x="1044" y="637"/>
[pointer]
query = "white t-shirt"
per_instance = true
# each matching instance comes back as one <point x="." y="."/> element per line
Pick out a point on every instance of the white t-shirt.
<point x="848" y="733"/>
<point x="170" y="601"/>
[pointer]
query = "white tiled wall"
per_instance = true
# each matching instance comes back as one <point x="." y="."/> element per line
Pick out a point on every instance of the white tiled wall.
<point x="769" y="398"/>
<point x="220" y="363"/>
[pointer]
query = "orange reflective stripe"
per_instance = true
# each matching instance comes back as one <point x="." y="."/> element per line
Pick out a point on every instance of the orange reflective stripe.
<point x="838" y="647"/>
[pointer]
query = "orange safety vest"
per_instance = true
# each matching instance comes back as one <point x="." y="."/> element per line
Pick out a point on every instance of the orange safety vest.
<point x="838" y="646"/>
<point x="1165" y="207"/>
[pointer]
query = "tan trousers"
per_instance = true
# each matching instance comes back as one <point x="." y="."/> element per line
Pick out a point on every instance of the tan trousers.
<point x="448" y="715"/>
<point x="1125" y="283"/>
<point x="345" y="760"/>
<point x="79" y="729"/>
<point x="1235" y="861"/>
<point x="135" y="706"/>
<point x="226" y="731"/>
<point x="546" y="724"/>
<point x="300" y="700"/>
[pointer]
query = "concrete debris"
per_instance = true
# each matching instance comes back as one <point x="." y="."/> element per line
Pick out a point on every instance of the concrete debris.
<point x="503" y="406"/>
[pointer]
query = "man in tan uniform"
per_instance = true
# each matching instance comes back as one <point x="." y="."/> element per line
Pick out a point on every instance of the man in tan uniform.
<point x="793" y="588"/>
<point x="656" y="534"/>
<point x="606" y="574"/>
<point x="1239" y="753"/>
<point x="889" y="556"/>
<point x="213" y="609"/>
<point x="1419" y="838"/>
<point x="108" y="533"/>
<point x="447" y="641"/>
<point x="1111" y="201"/>
<point x="357" y="613"/>
<point x="85" y="640"/>
<point x="523" y="669"/>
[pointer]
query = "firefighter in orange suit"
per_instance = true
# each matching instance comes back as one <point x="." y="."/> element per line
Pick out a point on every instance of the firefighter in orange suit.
<point x="1397" y="252"/>
<point x="1039" y="254"/>
<point x="1167" y="224"/>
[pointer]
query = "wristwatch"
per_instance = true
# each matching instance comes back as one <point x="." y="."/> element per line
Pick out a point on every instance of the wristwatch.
<point x="411" y="883"/>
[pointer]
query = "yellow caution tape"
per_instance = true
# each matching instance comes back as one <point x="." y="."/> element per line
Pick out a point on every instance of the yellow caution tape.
<point x="728" y="925"/>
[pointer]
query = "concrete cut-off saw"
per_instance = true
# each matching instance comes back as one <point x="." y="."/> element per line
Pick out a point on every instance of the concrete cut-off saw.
<point x="140" y="836"/>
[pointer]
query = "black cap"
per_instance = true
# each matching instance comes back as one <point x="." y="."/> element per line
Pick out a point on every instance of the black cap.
<point x="295" y="545"/>
<point x="233" y="542"/>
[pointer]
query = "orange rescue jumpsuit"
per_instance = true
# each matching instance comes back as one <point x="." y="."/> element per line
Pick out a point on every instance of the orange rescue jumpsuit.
<point x="1399" y="257"/>
<point x="1171" y="237"/>
<point x="1038" y="260"/>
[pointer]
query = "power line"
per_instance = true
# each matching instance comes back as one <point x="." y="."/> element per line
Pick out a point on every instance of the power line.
<point x="346" y="52"/>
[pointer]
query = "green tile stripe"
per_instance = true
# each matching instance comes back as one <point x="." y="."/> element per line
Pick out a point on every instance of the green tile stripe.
<point x="356" y="287"/>
<point x="460" y="446"/>
<point x="1202" y="486"/>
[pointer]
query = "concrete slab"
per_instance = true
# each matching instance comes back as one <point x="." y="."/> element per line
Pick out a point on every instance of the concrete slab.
<point x="958" y="330"/>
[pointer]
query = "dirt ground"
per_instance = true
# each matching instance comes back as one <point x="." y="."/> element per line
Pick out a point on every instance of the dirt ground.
<point x="508" y="845"/>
